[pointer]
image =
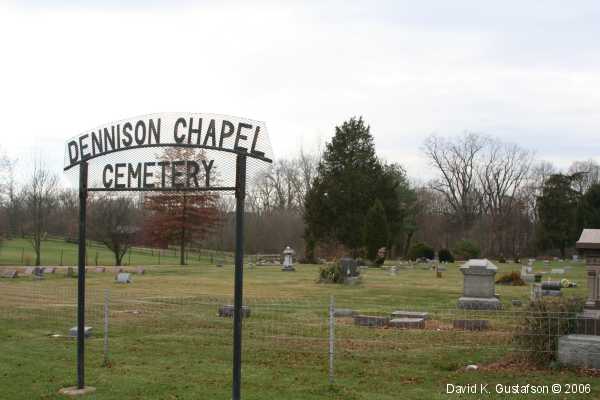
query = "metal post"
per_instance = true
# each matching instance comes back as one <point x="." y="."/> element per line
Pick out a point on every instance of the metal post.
<point x="106" y="294"/>
<point x="331" y="337"/>
<point x="240" y="194"/>
<point x="83" y="178"/>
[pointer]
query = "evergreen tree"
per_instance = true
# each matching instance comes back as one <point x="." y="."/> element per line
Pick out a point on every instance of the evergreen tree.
<point x="349" y="179"/>
<point x="589" y="209"/>
<point x="376" y="232"/>
<point x="557" y="211"/>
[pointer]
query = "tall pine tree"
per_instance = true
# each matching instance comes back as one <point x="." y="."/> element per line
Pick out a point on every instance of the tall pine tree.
<point x="349" y="179"/>
<point x="376" y="232"/>
<point x="557" y="211"/>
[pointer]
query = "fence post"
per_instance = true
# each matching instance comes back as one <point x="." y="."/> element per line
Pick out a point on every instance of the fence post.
<point x="331" y="336"/>
<point x="106" y="297"/>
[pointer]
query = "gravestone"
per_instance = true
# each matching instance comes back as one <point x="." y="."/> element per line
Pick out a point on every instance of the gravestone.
<point x="10" y="273"/>
<point x="87" y="331"/>
<point x="28" y="271"/>
<point x="50" y="270"/>
<point x="140" y="271"/>
<point x="350" y="270"/>
<point x="479" y="287"/>
<point x="526" y="274"/>
<point x="370" y="320"/>
<point x="410" y="314"/>
<point x="288" y="259"/>
<point x="583" y="348"/>
<point x="38" y="273"/>
<point x="344" y="312"/>
<point x="123" y="277"/>
<point x="558" y="271"/>
<point x="227" y="311"/>
<point x="100" y="269"/>
<point x="407" y="323"/>
<point x="349" y="266"/>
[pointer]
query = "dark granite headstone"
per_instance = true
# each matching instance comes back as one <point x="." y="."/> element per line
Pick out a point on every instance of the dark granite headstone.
<point x="227" y="311"/>
<point x="370" y="320"/>
<point x="349" y="267"/>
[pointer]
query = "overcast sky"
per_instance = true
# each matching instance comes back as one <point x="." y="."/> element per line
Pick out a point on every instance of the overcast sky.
<point x="525" y="71"/>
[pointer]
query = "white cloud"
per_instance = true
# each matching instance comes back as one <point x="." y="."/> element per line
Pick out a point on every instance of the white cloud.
<point x="525" y="73"/>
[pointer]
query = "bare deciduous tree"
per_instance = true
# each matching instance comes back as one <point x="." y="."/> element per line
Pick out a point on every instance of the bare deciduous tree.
<point x="113" y="222"/>
<point x="502" y="173"/>
<point x="40" y="198"/>
<point x="455" y="160"/>
<point x="587" y="173"/>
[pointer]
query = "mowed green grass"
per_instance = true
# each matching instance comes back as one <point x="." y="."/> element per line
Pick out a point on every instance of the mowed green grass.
<point x="175" y="347"/>
<point x="56" y="252"/>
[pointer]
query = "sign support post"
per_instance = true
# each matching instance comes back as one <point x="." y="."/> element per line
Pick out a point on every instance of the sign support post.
<point x="240" y="195"/>
<point x="83" y="183"/>
<point x="202" y="139"/>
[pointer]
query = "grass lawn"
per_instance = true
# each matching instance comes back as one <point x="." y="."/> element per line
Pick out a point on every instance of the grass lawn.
<point x="166" y="341"/>
<point x="58" y="252"/>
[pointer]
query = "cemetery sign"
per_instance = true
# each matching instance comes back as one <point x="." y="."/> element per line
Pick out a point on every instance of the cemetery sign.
<point x="168" y="152"/>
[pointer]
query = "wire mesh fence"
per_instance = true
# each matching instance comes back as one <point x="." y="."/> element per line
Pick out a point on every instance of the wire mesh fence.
<point x="338" y="344"/>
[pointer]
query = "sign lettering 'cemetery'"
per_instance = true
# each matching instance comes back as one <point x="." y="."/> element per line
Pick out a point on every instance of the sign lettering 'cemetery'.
<point x="152" y="168"/>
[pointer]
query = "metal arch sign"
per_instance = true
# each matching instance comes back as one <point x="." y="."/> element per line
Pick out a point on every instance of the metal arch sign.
<point x="209" y="133"/>
<point x="124" y="142"/>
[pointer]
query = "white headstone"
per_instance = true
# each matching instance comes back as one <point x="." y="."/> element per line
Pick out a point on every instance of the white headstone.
<point x="124" y="277"/>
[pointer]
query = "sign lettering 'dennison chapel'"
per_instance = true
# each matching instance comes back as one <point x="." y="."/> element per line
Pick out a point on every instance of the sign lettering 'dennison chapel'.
<point x="206" y="132"/>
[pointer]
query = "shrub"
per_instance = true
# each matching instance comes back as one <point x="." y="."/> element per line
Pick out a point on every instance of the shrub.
<point x="331" y="273"/>
<point x="465" y="250"/>
<point x="421" y="250"/>
<point x="514" y="278"/>
<point x="542" y="324"/>
<point x="444" y="255"/>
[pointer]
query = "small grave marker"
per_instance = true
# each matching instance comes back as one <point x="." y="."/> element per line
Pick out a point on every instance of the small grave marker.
<point x="227" y="311"/>
<point x="123" y="277"/>
<point x="87" y="331"/>
<point x="11" y="273"/>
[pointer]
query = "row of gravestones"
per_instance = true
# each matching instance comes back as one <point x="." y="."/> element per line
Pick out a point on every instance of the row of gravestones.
<point x="38" y="272"/>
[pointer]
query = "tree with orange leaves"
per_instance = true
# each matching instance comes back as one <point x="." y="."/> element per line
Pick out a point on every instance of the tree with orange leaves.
<point x="180" y="216"/>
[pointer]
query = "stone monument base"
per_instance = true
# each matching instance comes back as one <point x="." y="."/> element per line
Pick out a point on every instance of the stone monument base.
<point x="479" y="303"/>
<point x="579" y="351"/>
<point x="288" y="269"/>
<point x="74" y="391"/>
